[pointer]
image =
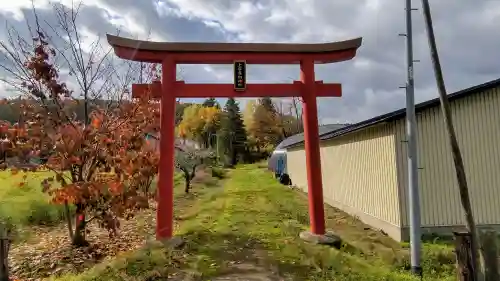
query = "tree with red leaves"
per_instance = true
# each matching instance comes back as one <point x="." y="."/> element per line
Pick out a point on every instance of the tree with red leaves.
<point x="104" y="168"/>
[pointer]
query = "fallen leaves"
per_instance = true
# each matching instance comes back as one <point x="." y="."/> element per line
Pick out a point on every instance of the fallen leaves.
<point x="50" y="252"/>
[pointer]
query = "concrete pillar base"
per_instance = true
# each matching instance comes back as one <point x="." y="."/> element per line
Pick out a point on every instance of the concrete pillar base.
<point x="329" y="238"/>
<point x="175" y="242"/>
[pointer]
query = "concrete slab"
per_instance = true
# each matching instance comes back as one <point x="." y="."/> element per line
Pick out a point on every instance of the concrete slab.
<point x="329" y="238"/>
<point x="175" y="242"/>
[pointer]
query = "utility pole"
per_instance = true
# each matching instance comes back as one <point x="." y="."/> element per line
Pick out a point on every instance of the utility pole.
<point x="140" y="73"/>
<point x="412" y="153"/>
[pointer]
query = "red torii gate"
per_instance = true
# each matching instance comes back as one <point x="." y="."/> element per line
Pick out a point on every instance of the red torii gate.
<point x="171" y="54"/>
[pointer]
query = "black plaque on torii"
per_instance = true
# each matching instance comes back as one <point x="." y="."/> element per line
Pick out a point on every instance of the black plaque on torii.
<point x="240" y="75"/>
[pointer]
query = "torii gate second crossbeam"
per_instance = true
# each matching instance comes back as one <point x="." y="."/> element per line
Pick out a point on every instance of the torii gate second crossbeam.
<point x="239" y="54"/>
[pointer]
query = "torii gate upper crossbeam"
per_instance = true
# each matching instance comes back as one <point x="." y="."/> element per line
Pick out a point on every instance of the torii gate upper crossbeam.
<point x="226" y="53"/>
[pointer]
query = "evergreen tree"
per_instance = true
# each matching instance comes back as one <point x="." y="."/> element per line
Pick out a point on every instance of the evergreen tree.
<point x="211" y="102"/>
<point x="267" y="104"/>
<point x="233" y="132"/>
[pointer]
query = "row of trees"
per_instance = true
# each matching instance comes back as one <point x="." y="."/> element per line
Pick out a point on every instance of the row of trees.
<point x="239" y="137"/>
<point x="232" y="133"/>
<point x="10" y="109"/>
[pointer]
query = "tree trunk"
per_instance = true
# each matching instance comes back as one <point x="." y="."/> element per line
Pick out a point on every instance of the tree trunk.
<point x="476" y="252"/>
<point x="465" y="264"/>
<point x="234" y="157"/>
<point x="187" y="184"/>
<point x="79" y="235"/>
<point x="187" y="179"/>
<point x="78" y="239"/>
<point x="297" y="116"/>
<point x="490" y="251"/>
<point x="67" y="214"/>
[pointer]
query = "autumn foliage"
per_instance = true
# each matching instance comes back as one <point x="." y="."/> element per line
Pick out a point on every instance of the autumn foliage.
<point x="199" y="122"/>
<point x="102" y="166"/>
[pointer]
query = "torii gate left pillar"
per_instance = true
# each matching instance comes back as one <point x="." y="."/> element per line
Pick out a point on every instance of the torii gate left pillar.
<point x="171" y="54"/>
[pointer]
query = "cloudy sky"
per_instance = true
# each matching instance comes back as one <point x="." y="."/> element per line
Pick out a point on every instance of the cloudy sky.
<point x="468" y="37"/>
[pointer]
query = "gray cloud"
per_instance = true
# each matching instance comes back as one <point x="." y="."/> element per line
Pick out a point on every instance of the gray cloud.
<point x="467" y="34"/>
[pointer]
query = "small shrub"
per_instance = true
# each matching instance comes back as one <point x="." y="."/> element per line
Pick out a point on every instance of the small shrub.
<point x="203" y="177"/>
<point x="45" y="214"/>
<point x="437" y="260"/>
<point x="262" y="165"/>
<point x="218" y="172"/>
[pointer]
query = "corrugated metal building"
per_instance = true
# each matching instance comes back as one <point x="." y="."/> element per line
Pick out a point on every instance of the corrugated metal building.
<point x="364" y="165"/>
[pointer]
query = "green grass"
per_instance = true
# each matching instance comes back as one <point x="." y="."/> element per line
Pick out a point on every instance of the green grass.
<point x="254" y="220"/>
<point x="218" y="172"/>
<point x="27" y="204"/>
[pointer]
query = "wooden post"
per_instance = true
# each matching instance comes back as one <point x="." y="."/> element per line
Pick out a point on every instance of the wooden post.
<point x="4" y="267"/>
<point x="4" y="250"/>
<point x="463" y="187"/>
<point x="465" y="262"/>
<point x="490" y="252"/>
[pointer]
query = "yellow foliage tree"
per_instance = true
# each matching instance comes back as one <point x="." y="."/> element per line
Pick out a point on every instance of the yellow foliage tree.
<point x="209" y="116"/>
<point x="248" y="113"/>
<point x="198" y="123"/>
<point x="191" y="125"/>
<point x="265" y="128"/>
<point x="248" y="120"/>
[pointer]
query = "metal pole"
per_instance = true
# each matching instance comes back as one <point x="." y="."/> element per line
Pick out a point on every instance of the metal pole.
<point x="413" y="198"/>
<point x="140" y="74"/>
<point x="217" y="146"/>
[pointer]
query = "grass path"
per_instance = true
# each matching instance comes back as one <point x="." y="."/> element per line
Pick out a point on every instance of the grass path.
<point x="248" y="230"/>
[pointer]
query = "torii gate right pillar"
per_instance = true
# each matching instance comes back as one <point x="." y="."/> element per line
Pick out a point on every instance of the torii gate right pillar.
<point x="312" y="151"/>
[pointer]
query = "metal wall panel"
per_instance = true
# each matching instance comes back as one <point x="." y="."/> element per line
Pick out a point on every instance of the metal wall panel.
<point x="359" y="172"/>
<point x="477" y="124"/>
